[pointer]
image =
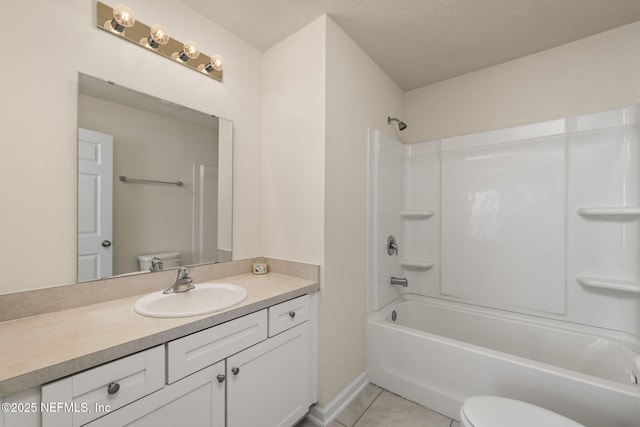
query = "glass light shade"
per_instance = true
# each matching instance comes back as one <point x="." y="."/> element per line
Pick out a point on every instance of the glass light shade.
<point x="217" y="62"/>
<point x="124" y="16"/>
<point x="191" y="50"/>
<point x="159" y="35"/>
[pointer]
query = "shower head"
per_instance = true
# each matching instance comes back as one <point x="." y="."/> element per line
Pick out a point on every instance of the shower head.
<point x="401" y="125"/>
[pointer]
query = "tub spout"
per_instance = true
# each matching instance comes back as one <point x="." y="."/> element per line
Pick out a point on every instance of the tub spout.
<point x="401" y="281"/>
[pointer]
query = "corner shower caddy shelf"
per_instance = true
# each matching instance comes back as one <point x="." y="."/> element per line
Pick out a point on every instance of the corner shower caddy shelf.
<point x="609" y="284"/>
<point x="417" y="264"/>
<point x="416" y="214"/>
<point x="613" y="212"/>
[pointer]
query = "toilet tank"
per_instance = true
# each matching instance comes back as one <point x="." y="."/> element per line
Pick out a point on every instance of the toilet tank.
<point x="169" y="259"/>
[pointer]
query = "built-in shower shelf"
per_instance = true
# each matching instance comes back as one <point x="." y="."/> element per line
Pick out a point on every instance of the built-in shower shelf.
<point x="620" y="212"/>
<point x="416" y="214"/>
<point x="424" y="264"/>
<point x="609" y="284"/>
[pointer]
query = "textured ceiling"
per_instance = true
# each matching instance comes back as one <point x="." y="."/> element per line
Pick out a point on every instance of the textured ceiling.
<point x="419" y="42"/>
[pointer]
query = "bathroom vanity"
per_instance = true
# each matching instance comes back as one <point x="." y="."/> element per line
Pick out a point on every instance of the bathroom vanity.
<point x="251" y="365"/>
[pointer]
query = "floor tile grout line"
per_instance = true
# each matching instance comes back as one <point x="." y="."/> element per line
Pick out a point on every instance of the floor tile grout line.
<point x="367" y="408"/>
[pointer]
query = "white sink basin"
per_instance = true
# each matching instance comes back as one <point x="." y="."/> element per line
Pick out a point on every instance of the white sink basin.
<point x="205" y="298"/>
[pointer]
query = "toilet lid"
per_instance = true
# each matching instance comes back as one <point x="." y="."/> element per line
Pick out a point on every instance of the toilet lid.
<point x="493" y="411"/>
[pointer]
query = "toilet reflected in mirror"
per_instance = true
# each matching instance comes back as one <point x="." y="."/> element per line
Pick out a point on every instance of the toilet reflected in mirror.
<point x="159" y="262"/>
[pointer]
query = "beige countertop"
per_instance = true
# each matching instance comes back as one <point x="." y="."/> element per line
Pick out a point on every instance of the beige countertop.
<point x="39" y="349"/>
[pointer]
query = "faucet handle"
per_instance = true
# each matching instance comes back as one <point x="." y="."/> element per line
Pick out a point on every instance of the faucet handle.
<point x="183" y="272"/>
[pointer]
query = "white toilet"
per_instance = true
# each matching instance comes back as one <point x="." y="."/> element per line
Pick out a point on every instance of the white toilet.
<point x="168" y="260"/>
<point x="493" y="411"/>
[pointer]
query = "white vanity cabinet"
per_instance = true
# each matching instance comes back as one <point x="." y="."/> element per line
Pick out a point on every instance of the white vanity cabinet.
<point x="257" y="370"/>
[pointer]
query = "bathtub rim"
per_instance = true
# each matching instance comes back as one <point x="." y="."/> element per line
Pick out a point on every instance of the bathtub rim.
<point x="379" y="317"/>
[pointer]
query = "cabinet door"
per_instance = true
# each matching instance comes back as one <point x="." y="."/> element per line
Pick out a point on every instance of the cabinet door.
<point x="269" y="384"/>
<point x="21" y="409"/>
<point x="197" y="401"/>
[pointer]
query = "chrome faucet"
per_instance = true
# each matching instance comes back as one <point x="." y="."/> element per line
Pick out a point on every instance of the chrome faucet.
<point x="183" y="282"/>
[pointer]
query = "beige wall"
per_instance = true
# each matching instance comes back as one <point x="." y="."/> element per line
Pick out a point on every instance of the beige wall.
<point x="292" y="187"/>
<point x="358" y="95"/>
<point x="38" y="109"/>
<point x="320" y="93"/>
<point x="593" y="74"/>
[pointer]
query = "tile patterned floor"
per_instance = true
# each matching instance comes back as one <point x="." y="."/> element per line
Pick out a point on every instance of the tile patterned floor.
<point x="376" y="407"/>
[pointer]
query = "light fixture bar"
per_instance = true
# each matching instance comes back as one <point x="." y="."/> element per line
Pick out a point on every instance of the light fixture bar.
<point x="173" y="50"/>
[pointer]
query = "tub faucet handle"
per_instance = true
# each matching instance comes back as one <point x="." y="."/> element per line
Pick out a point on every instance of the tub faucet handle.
<point x="392" y="246"/>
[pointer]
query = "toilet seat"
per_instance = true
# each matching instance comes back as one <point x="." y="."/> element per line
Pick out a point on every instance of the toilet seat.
<point x="493" y="411"/>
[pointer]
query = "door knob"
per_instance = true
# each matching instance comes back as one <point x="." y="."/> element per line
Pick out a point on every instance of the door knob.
<point x="235" y="370"/>
<point x="221" y="378"/>
<point x="106" y="243"/>
<point x="292" y="314"/>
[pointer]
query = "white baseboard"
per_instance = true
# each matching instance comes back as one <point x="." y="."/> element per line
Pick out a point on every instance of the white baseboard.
<point x="323" y="416"/>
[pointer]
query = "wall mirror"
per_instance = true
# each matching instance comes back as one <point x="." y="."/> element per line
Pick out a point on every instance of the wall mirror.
<point x="154" y="183"/>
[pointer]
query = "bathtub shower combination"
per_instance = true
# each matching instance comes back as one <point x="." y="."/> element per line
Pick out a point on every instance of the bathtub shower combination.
<point x="520" y="250"/>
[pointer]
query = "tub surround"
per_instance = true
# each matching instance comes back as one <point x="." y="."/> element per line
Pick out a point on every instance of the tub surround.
<point x="531" y="233"/>
<point x="543" y="217"/>
<point x="50" y="344"/>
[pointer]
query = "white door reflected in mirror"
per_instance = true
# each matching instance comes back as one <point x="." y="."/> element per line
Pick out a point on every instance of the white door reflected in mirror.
<point x="95" y="206"/>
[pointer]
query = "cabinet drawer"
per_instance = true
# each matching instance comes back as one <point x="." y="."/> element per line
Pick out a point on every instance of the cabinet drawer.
<point x="196" y="351"/>
<point x="288" y="314"/>
<point x="195" y="401"/>
<point x="80" y="398"/>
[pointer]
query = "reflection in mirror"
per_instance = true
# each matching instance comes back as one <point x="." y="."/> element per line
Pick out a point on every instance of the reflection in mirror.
<point x="154" y="183"/>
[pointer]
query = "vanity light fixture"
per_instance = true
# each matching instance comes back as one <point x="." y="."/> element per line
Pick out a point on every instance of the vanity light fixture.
<point x="121" y="21"/>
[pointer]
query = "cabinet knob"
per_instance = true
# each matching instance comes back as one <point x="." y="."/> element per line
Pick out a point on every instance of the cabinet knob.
<point x="235" y="370"/>
<point x="292" y="314"/>
<point x="113" y="388"/>
<point x="221" y="378"/>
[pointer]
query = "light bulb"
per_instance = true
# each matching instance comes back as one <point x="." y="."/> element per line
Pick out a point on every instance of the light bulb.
<point x="159" y="36"/>
<point x="190" y="50"/>
<point x="217" y="63"/>
<point x="123" y="17"/>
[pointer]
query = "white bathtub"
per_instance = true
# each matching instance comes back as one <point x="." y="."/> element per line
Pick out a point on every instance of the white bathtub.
<point x="439" y="353"/>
